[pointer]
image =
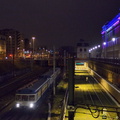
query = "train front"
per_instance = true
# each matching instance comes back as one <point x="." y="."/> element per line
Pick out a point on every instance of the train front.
<point x="24" y="98"/>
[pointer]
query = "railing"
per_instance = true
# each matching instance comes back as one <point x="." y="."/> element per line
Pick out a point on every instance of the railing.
<point x="109" y="61"/>
<point x="62" y="115"/>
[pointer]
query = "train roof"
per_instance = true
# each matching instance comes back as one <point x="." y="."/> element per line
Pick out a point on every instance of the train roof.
<point x="48" y="74"/>
<point x="36" y="86"/>
<point x="33" y="88"/>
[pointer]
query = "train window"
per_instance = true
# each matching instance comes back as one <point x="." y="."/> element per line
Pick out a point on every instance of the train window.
<point x="25" y="97"/>
<point x="31" y="97"/>
<point x="18" y="97"/>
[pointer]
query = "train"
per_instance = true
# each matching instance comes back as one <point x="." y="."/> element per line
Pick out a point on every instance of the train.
<point x="29" y="96"/>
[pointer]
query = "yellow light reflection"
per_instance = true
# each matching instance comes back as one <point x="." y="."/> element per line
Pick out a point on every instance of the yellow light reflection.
<point x="86" y="87"/>
<point x="81" y="72"/>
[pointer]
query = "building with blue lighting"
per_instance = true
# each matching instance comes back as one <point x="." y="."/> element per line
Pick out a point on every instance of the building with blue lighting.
<point x="111" y="38"/>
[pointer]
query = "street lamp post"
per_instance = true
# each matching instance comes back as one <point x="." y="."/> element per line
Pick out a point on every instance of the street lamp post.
<point x="12" y="55"/>
<point x="113" y="39"/>
<point x="21" y="49"/>
<point x="32" y="53"/>
<point x="104" y="49"/>
<point x="54" y="69"/>
<point x="10" y="39"/>
<point x="33" y="38"/>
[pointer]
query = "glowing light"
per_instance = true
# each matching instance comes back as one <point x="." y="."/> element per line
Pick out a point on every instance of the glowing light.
<point x="10" y="55"/>
<point x="109" y="28"/>
<point x="104" y="43"/>
<point x="103" y="32"/>
<point x="116" y="23"/>
<point x="10" y="36"/>
<point x="113" y="39"/>
<point x="31" y="105"/>
<point x="17" y="105"/>
<point x="33" y="38"/>
<point x="95" y="47"/>
<point x="98" y="45"/>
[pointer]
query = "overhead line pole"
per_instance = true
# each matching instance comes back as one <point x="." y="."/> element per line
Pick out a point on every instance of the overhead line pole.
<point x="54" y="68"/>
<point x="71" y="88"/>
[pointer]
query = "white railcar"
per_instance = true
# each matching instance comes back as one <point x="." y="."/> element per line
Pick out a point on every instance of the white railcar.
<point x="28" y="97"/>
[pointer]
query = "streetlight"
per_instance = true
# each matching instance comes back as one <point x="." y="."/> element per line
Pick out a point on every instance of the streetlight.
<point x="104" y="43"/>
<point x="113" y="39"/>
<point x="33" y="38"/>
<point x="32" y="53"/>
<point x="99" y="46"/>
<point x="12" y="54"/>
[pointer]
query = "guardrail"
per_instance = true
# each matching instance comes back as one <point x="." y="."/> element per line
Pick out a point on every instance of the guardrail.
<point x="105" y="60"/>
<point x="63" y="110"/>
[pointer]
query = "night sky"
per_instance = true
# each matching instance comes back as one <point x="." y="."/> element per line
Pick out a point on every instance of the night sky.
<point x="58" y="22"/>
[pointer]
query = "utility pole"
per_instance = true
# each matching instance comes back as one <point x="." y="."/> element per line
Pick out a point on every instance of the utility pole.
<point x="64" y="64"/>
<point x="70" y="106"/>
<point x="12" y="55"/>
<point x="54" y="68"/>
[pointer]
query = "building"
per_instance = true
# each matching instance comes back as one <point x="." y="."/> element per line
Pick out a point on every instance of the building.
<point x="20" y="46"/>
<point x="14" y="43"/>
<point x="111" y="38"/>
<point x="82" y="50"/>
<point x="2" y="47"/>
<point x="82" y="55"/>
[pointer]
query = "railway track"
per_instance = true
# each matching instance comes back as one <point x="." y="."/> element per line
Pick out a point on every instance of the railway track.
<point x="8" y="90"/>
<point x="40" y="112"/>
<point x="92" y="92"/>
<point x="89" y="94"/>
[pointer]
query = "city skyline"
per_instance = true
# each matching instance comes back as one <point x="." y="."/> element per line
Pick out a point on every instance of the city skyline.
<point x="58" y="23"/>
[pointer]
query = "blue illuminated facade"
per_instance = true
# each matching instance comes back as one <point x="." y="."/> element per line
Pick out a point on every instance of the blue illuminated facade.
<point x="111" y="38"/>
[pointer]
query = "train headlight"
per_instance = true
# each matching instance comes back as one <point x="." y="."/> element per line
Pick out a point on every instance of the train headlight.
<point x="31" y="105"/>
<point x="17" y="105"/>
